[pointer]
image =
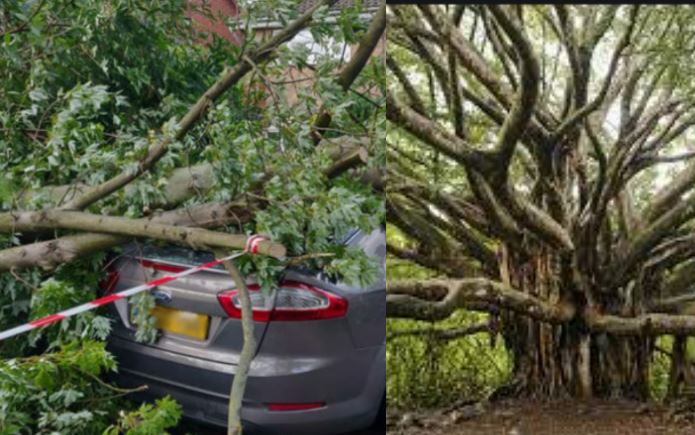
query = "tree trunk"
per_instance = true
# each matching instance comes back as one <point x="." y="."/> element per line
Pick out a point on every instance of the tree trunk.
<point x="565" y="360"/>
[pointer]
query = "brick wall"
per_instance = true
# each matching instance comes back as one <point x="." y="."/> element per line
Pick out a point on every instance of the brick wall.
<point x="220" y="10"/>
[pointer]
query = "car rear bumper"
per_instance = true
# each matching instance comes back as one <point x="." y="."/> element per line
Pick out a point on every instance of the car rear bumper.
<point x="351" y="386"/>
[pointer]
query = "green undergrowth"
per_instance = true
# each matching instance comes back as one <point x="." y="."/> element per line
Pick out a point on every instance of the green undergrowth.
<point x="424" y="372"/>
<point x="61" y="393"/>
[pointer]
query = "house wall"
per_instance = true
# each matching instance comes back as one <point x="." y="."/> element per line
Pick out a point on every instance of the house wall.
<point x="221" y="10"/>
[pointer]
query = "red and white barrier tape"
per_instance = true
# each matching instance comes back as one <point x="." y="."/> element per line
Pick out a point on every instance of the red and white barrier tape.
<point x="252" y="243"/>
<point x="251" y="247"/>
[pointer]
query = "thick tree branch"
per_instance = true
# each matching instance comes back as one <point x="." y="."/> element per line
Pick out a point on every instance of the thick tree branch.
<point x="428" y="131"/>
<point x="405" y="82"/>
<point x="198" y="179"/>
<point x="648" y="238"/>
<point x="502" y="50"/>
<point x="674" y="305"/>
<point x="442" y="334"/>
<point x="453" y="219"/>
<point x="51" y="253"/>
<point x="646" y="324"/>
<point x="538" y="221"/>
<point x="597" y="31"/>
<point x="71" y="220"/>
<point x="671" y="193"/>
<point x="525" y="99"/>
<point x="402" y="300"/>
<point x="456" y="268"/>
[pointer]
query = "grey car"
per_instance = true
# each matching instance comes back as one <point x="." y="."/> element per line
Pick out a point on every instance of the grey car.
<point x="320" y="364"/>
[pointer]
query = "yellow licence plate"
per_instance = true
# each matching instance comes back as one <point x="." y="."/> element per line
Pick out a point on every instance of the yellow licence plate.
<point x="179" y="322"/>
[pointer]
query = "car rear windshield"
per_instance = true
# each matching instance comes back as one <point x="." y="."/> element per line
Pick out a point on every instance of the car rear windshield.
<point x="181" y="255"/>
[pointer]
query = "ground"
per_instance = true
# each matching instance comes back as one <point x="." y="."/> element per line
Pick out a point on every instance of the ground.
<point x="190" y="427"/>
<point x="537" y="418"/>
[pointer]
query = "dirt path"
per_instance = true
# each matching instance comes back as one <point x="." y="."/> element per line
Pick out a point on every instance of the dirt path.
<point x="535" y="418"/>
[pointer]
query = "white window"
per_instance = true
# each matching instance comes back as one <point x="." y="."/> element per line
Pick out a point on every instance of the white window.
<point x="330" y="47"/>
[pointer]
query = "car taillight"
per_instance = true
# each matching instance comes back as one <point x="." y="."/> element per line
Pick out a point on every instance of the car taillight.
<point x="294" y="301"/>
<point x="109" y="282"/>
<point x="295" y="406"/>
<point x="161" y="266"/>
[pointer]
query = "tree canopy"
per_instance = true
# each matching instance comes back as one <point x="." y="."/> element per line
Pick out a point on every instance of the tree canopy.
<point x="540" y="163"/>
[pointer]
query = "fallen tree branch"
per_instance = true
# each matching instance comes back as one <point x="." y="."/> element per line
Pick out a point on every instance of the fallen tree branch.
<point x="182" y="184"/>
<point x="185" y="182"/>
<point x="51" y="253"/>
<point x="350" y="160"/>
<point x="121" y="226"/>
<point x="236" y="395"/>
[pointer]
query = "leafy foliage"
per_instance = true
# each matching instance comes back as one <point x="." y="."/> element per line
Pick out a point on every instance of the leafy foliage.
<point x="51" y="392"/>
<point x="94" y="90"/>
<point x="61" y="392"/>
<point x="469" y="368"/>
<point x="149" y="419"/>
<point x="54" y="296"/>
<point x="140" y="307"/>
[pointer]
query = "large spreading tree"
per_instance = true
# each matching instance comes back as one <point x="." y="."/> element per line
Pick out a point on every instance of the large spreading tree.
<point x="539" y="161"/>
